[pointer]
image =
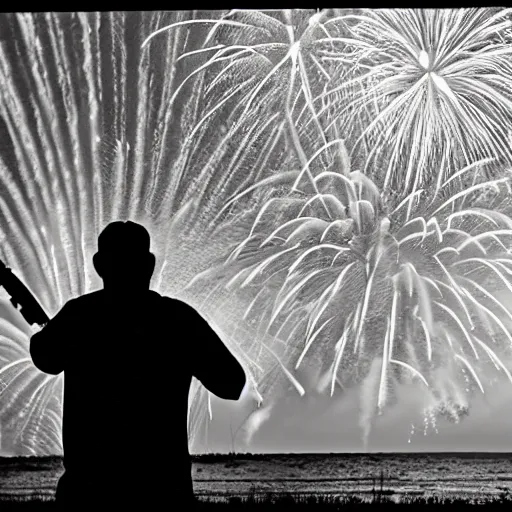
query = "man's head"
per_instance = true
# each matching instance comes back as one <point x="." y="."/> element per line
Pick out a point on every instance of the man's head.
<point x="124" y="260"/>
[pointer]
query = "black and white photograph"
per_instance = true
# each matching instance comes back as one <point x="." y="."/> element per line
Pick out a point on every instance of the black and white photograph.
<point x="256" y="259"/>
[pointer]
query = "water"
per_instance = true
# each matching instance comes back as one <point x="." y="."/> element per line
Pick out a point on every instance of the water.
<point x="463" y="475"/>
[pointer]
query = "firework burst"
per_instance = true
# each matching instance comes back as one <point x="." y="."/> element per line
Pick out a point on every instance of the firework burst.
<point x="383" y="293"/>
<point x="251" y="55"/>
<point x="89" y="135"/>
<point x="429" y="89"/>
<point x="351" y="270"/>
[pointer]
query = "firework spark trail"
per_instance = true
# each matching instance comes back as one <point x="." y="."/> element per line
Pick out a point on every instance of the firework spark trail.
<point x="257" y="52"/>
<point x="89" y="136"/>
<point x="55" y="199"/>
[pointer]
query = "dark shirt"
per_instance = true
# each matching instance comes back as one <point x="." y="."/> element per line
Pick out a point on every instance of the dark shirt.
<point x="127" y="373"/>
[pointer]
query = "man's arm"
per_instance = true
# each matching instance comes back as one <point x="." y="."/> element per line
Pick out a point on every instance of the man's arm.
<point x="212" y="363"/>
<point x="47" y="346"/>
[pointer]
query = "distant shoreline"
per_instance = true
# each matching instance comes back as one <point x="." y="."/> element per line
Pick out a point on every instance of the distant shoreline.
<point x="262" y="456"/>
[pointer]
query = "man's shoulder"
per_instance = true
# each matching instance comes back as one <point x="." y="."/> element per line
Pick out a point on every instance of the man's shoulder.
<point x="161" y="302"/>
<point x="176" y="305"/>
<point x="86" y="299"/>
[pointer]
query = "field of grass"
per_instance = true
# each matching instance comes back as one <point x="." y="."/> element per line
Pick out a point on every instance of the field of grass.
<point x="295" y="502"/>
<point x="300" y="481"/>
<point x="442" y="475"/>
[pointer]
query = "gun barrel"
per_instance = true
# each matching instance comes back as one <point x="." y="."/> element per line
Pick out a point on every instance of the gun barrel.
<point x="20" y="295"/>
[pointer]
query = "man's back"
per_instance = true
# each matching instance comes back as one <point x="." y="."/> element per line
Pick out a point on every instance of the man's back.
<point x="127" y="372"/>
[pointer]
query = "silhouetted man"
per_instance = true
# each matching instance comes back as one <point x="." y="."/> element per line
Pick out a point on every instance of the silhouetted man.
<point x="128" y="356"/>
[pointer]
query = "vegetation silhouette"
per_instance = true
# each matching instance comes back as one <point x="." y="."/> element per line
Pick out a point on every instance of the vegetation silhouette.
<point x="285" y="502"/>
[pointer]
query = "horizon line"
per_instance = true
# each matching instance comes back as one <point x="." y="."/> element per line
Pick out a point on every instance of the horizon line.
<point x="270" y="454"/>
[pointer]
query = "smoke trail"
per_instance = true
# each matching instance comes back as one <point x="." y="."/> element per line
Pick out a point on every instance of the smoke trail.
<point x="368" y="397"/>
<point x="256" y="420"/>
